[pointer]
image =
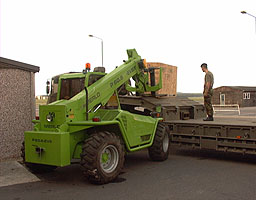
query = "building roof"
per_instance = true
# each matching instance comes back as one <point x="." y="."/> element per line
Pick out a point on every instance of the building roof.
<point x="18" y="65"/>
<point x="243" y="88"/>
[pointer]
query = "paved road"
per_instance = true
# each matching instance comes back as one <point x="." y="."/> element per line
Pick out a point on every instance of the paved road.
<point x="185" y="175"/>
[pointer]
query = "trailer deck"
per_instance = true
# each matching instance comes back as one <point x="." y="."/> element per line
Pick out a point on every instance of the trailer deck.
<point x="172" y="107"/>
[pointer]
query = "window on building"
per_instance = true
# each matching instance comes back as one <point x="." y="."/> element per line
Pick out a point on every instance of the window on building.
<point x="222" y="99"/>
<point x="246" y="95"/>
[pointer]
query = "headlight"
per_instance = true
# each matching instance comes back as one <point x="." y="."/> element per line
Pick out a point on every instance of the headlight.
<point x="49" y="118"/>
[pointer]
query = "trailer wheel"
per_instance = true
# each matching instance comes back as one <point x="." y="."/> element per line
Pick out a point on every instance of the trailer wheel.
<point x="33" y="167"/>
<point x="102" y="157"/>
<point x="159" y="151"/>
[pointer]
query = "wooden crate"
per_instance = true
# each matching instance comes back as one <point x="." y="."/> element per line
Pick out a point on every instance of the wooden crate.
<point x="169" y="77"/>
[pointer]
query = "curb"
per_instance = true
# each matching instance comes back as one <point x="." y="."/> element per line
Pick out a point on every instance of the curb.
<point x="12" y="172"/>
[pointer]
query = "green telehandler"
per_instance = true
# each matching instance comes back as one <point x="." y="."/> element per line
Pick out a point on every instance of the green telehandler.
<point x="84" y="120"/>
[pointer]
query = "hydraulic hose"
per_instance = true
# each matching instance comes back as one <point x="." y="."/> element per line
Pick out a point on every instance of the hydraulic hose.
<point x="86" y="104"/>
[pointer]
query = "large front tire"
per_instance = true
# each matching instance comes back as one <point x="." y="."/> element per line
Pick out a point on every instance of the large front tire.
<point x="102" y="157"/>
<point x="159" y="151"/>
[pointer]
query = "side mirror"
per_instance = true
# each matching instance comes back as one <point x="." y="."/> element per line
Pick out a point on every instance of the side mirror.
<point x="47" y="87"/>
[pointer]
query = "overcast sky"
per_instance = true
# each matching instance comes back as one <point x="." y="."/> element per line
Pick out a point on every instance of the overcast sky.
<point x="53" y="34"/>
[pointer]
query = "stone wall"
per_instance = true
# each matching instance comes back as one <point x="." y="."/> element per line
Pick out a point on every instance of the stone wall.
<point x="17" y="108"/>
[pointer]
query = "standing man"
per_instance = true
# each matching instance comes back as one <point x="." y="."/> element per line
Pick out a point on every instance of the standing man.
<point x="208" y="92"/>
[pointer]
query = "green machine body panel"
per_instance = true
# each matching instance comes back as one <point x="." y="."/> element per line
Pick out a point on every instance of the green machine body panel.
<point x="50" y="148"/>
<point x="139" y="129"/>
<point x="58" y="114"/>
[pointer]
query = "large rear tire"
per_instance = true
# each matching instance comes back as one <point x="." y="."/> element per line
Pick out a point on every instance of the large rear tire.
<point x="159" y="151"/>
<point x="33" y="167"/>
<point x="102" y="157"/>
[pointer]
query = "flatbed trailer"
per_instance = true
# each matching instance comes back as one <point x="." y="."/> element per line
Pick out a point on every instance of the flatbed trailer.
<point x="226" y="133"/>
<point x="184" y="118"/>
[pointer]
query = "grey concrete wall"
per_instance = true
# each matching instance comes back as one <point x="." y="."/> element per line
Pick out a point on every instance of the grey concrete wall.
<point x="17" y="109"/>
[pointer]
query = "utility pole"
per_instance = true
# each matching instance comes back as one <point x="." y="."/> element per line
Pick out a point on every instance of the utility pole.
<point x="244" y="12"/>
<point x="101" y="47"/>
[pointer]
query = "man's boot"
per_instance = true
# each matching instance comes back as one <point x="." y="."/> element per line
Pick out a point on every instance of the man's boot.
<point x="209" y="118"/>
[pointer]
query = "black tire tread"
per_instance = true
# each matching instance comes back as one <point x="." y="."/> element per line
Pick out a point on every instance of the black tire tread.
<point x="90" y="150"/>
<point x="156" y="152"/>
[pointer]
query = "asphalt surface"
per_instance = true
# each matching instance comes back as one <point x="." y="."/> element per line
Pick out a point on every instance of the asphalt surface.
<point x="187" y="174"/>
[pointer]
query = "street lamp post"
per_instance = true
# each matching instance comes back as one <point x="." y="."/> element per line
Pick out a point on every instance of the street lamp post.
<point x="244" y="12"/>
<point x="101" y="47"/>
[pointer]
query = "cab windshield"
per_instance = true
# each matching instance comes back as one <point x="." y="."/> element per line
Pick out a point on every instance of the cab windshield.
<point x="71" y="87"/>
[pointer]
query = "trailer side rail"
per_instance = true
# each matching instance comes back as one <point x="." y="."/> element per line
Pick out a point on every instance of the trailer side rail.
<point x="232" y="138"/>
